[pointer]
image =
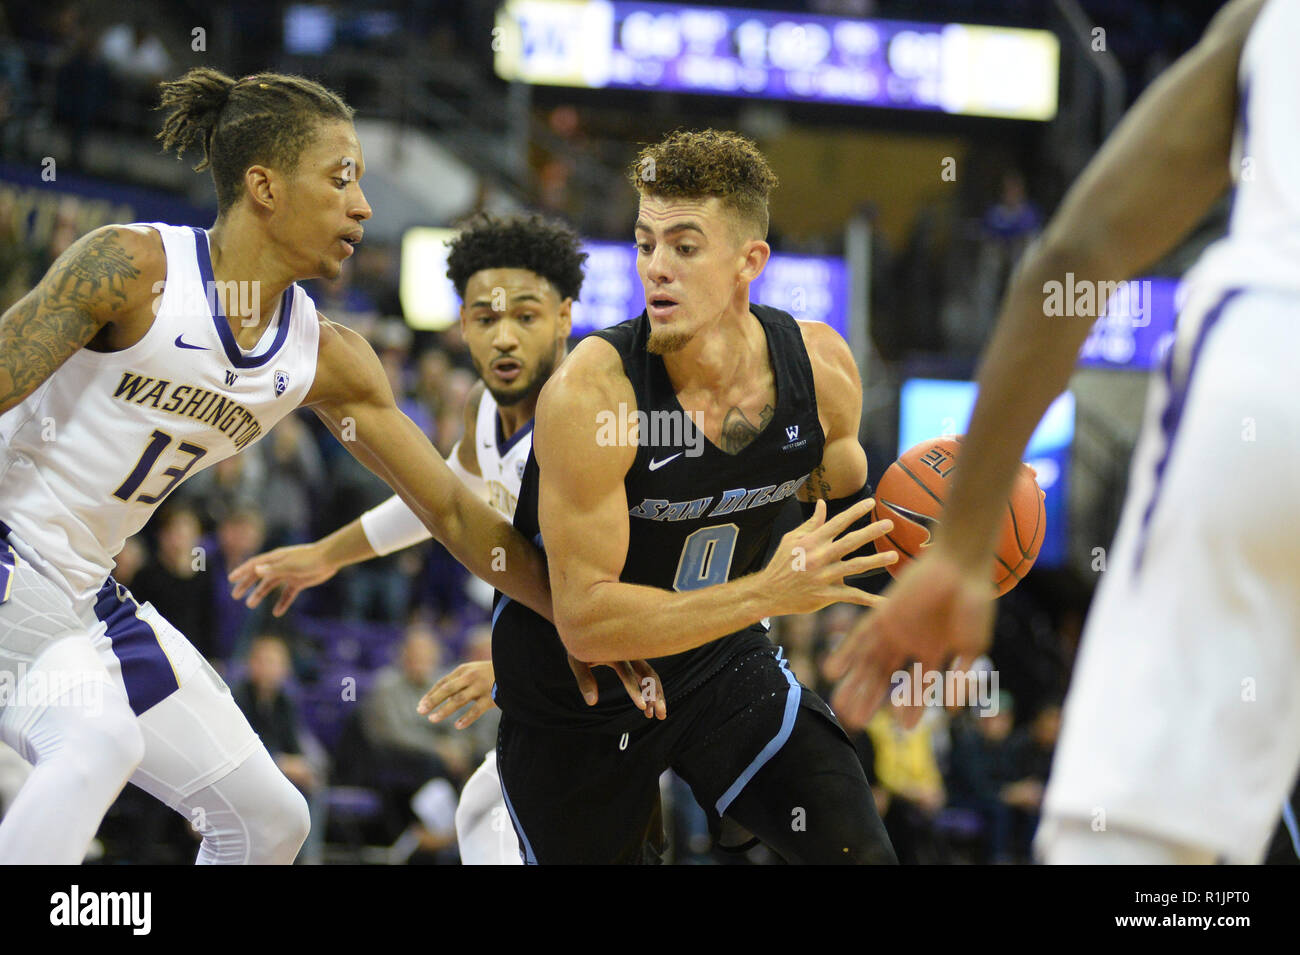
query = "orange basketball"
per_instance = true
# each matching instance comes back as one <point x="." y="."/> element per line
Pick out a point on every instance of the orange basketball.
<point x="912" y="492"/>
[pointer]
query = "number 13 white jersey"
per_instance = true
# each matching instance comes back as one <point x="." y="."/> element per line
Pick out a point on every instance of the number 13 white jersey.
<point x="90" y="454"/>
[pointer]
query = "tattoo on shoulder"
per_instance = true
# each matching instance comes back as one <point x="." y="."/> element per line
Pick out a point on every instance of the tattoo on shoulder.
<point x="47" y="326"/>
<point x="738" y="432"/>
<point x="98" y="269"/>
<point x="817" y="486"/>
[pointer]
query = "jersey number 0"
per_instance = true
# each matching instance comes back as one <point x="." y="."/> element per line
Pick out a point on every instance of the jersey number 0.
<point x="706" y="557"/>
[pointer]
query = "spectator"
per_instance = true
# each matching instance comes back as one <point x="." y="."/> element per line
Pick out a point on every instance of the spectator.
<point x="411" y="751"/>
<point x="1029" y="760"/>
<point x="342" y="301"/>
<point x="237" y="483"/>
<point x="391" y="720"/>
<point x="239" y="536"/>
<point x="271" y="711"/>
<point x="906" y="773"/>
<point x="482" y="734"/>
<point x="16" y="258"/>
<point x="135" y="56"/>
<point x="175" y="581"/>
<point x="82" y="82"/>
<point x="15" y="92"/>
<point x="1007" y="228"/>
<point x="129" y="561"/>
<point x="293" y="473"/>
<point x="264" y="698"/>
<point x="66" y="229"/>
<point x="979" y="768"/>
<point x="378" y="589"/>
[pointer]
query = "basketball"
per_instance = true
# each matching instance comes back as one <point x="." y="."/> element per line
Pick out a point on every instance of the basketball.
<point x="913" y="490"/>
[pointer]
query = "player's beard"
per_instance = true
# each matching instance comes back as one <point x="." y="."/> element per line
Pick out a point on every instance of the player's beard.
<point x="507" y="399"/>
<point x="665" y="341"/>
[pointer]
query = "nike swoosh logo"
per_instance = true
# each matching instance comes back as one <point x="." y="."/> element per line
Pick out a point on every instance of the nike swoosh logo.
<point x="180" y="343"/>
<point x="656" y="465"/>
<point x="925" y="520"/>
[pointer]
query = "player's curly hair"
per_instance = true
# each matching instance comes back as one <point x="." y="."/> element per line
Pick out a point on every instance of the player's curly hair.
<point x="266" y="118"/>
<point x="544" y="246"/>
<point x="696" y="164"/>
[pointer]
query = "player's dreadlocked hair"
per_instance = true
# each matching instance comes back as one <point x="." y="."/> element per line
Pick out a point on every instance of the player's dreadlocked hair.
<point x="691" y="164"/>
<point x="545" y="246"/>
<point x="266" y="118"/>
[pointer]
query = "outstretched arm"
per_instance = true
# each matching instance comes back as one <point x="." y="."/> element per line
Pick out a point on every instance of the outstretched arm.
<point x="385" y="528"/>
<point x="1154" y="179"/>
<point x="351" y="395"/>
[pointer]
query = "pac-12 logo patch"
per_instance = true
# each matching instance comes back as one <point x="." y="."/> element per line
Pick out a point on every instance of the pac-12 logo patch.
<point x="519" y="469"/>
<point x="281" y="382"/>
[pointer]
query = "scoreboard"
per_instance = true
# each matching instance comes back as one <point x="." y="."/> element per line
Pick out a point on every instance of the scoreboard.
<point x="962" y="69"/>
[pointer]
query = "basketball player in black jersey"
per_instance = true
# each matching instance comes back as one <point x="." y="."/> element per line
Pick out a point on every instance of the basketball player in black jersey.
<point x="656" y="538"/>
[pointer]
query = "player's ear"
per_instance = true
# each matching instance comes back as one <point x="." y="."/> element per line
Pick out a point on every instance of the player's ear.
<point x="259" y="180"/>
<point x="756" y="252"/>
<point x="564" y="324"/>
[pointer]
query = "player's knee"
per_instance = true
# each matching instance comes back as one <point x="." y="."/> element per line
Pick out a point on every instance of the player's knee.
<point x="279" y="825"/>
<point x="103" y="746"/>
<point x="122" y="742"/>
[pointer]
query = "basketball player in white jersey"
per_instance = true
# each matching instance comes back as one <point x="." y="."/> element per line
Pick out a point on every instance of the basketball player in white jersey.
<point x="517" y="278"/>
<point x="147" y="353"/>
<point x="1181" y="733"/>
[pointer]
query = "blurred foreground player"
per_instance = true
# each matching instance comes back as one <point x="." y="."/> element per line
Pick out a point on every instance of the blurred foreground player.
<point x="656" y="535"/>
<point x="1182" y="728"/>
<point x="145" y="354"/>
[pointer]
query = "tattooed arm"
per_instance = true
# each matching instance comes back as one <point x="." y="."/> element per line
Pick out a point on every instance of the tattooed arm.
<point x="101" y="288"/>
<point x="843" y="468"/>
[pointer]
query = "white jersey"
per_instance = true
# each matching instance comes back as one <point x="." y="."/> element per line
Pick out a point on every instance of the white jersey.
<point x="500" y="461"/>
<point x="91" y="453"/>
<point x="392" y="525"/>
<point x="1262" y="247"/>
<point x="1183" y="719"/>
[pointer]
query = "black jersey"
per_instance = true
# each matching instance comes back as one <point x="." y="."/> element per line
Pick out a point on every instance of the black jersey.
<point x="698" y="517"/>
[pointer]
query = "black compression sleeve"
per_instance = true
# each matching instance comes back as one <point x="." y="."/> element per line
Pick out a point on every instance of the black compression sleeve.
<point x="838" y="505"/>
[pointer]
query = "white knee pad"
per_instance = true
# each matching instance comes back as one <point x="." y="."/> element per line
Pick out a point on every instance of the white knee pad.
<point x="251" y="816"/>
